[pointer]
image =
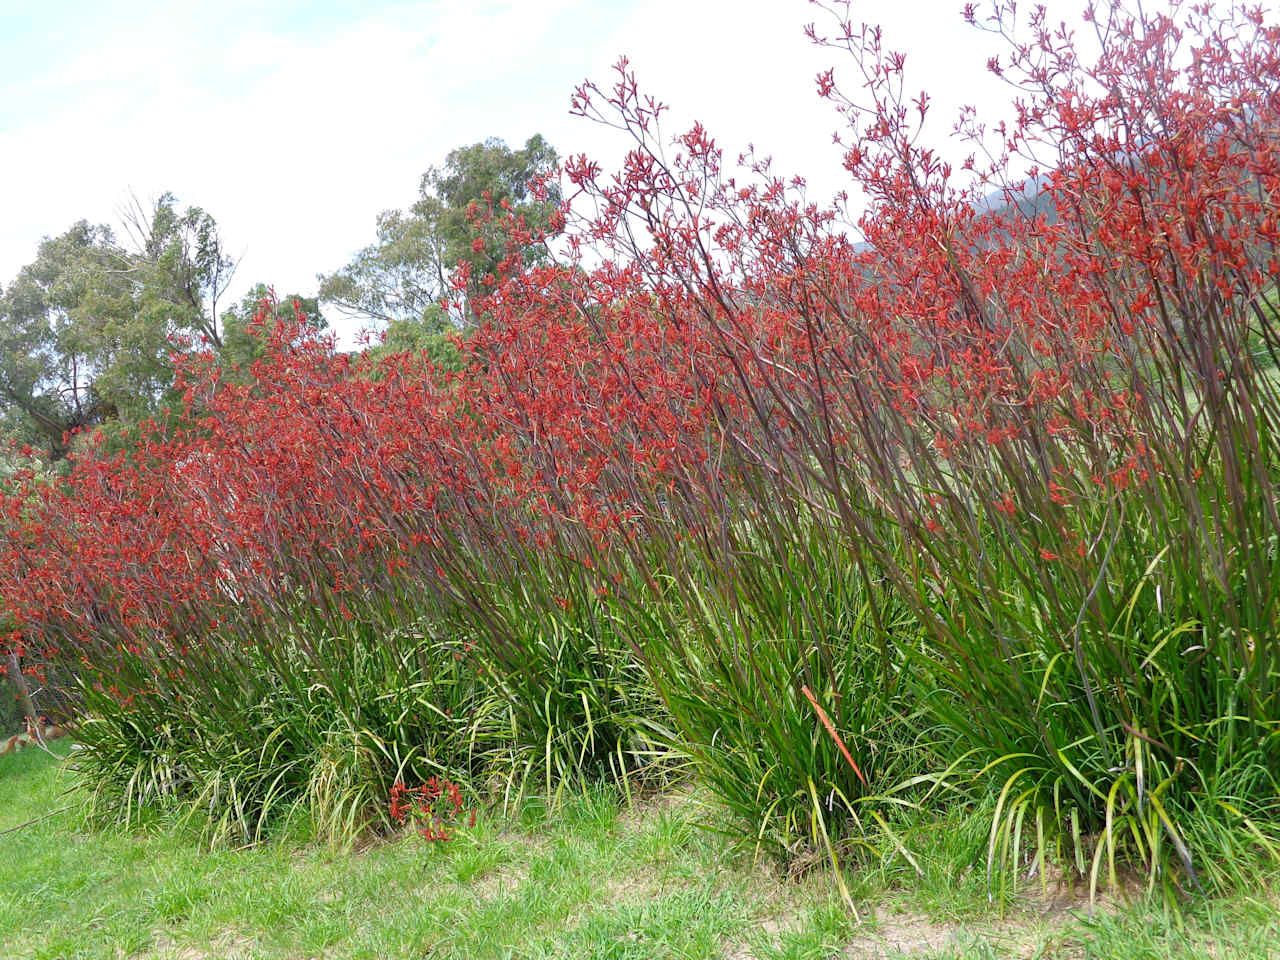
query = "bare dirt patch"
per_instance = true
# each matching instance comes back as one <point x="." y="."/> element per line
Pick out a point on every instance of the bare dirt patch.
<point x="503" y="879"/>
<point x="229" y="946"/>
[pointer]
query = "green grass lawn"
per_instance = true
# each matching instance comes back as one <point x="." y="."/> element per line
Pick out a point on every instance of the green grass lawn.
<point x="596" y="880"/>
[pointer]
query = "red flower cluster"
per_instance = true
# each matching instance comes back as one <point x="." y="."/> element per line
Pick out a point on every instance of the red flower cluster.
<point x="718" y="345"/>
<point x="433" y="806"/>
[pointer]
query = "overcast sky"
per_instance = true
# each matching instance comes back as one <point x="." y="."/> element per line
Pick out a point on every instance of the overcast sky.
<point x="295" y="124"/>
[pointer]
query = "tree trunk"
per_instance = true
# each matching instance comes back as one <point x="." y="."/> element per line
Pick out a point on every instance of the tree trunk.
<point x="24" y="691"/>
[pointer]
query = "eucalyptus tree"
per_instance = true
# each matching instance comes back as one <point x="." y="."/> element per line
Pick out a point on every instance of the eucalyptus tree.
<point x="398" y="280"/>
<point x="89" y="327"/>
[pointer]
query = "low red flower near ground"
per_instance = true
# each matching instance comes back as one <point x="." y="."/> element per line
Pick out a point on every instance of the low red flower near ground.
<point x="433" y="807"/>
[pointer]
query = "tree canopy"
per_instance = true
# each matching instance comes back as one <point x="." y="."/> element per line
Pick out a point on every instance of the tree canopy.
<point x="404" y="273"/>
<point x="88" y="328"/>
<point x="70" y="334"/>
